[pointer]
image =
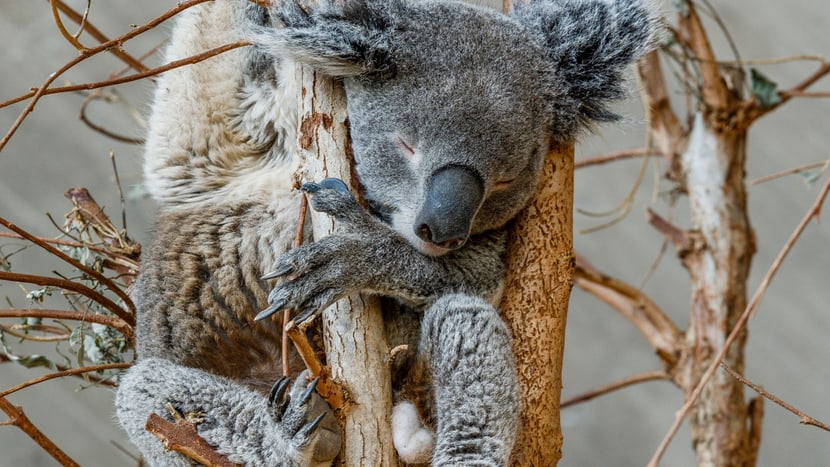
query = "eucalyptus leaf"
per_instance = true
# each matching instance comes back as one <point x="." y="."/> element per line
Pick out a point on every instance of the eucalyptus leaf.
<point x="764" y="89"/>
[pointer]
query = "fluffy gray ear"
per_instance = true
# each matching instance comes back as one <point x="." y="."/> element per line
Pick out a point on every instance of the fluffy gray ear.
<point x="344" y="38"/>
<point x="590" y="42"/>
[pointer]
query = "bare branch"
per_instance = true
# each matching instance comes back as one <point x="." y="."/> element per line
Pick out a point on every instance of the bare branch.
<point x="183" y="438"/>
<point x="656" y="375"/>
<point x="61" y="374"/>
<point x="114" y="43"/>
<point x="19" y="419"/>
<point x="805" y="419"/>
<point x="109" y="284"/>
<point x="716" y="94"/>
<point x="616" y="156"/>
<point x="646" y="316"/>
<point x="814" y="211"/>
<point x="113" y="322"/>
<point x="815" y="165"/>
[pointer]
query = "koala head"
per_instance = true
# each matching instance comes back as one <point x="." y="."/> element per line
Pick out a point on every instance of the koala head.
<point x="453" y="107"/>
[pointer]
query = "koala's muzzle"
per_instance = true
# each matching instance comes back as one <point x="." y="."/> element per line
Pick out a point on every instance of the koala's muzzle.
<point x="454" y="194"/>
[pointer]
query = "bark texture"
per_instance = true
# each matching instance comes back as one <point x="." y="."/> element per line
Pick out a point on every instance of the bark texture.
<point x="356" y="351"/>
<point x="540" y="267"/>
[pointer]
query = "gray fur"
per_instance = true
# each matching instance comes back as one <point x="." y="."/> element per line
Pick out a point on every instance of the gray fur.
<point x="431" y="86"/>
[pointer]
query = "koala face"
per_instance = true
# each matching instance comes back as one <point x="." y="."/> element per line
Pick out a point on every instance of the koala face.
<point x="450" y="141"/>
<point x="452" y="107"/>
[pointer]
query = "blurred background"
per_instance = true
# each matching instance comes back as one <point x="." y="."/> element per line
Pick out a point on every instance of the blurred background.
<point x="788" y="351"/>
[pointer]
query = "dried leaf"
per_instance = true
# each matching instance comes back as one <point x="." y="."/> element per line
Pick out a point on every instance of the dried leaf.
<point x="764" y="89"/>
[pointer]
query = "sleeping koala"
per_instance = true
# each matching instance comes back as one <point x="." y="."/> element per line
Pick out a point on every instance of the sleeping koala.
<point x="452" y="109"/>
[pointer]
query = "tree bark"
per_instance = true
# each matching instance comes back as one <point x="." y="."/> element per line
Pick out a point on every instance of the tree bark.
<point x="356" y="351"/>
<point x="540" y="267"/>
<point x="713" y="165"/>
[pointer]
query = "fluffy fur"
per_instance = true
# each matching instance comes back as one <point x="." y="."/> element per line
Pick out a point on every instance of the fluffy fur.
<point x="452" y="109"/>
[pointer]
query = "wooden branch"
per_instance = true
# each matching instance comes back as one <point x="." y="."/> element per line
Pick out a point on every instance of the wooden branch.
<point x="113" y="322"/>
<point x="19" y="419"/>
<point x="804" y="418"/>
<point x="328" y="389"/>
<point x="684" y="241"/>
<point x="200" y="57"/>
<point x="616" y="156"/>
<point x="57" y="241"/>
<point x="98" y="35"/>
<point x="657" y="375"/>
<point x="753" y="109"/>
<point x="127" y="316"/>
<point x="738" y="328"/>
<point x="664" y="125"/>
<point x="61" y="374"/>
<point x="635" y="306"/>
<point x="183" y="438"/>
<point x="356" y="351"/>
<point x="716" y="94"/>
<point x="113" y="43"/>
<point x="540" y="265"/>
<point x="815" y="165"/>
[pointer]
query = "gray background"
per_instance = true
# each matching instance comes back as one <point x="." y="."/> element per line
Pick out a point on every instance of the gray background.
<point x="787" y="351"/>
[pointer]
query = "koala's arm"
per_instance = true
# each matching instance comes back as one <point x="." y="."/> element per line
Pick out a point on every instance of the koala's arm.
<point x="367" y="255"/>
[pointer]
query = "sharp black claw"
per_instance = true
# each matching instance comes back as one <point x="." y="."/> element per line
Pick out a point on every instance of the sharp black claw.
<point x="275" y="307"/>
<point x="304" y="316"/>
<point x="309" y="428"/>
<point x="278" y="390"/>
<point x="278" y="272"/>
<point x="310" y="389"/>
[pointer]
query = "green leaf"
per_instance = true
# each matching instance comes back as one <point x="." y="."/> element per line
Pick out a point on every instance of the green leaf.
<point x="764" y="89"/>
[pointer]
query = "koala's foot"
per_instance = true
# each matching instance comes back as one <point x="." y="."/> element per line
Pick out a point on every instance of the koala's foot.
<point x="291" y="428"/>
<point x="414" y="442"/>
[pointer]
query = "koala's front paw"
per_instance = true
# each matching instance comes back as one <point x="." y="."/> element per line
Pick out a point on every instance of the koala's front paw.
<point x="293" y="410"/>
<point x="333" y="197"/>
<point x="317" y="275"/>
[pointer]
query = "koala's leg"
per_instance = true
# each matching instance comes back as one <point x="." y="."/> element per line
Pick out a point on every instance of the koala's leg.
<point x="477" y="400"/>
<point x="245" y="426"/>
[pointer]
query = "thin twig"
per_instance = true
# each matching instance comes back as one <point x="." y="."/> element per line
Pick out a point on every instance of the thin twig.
<point x="749" y="311"/>
<point x="103" y="250"/>
<point x="98" y="35"/>
<point x="109" y="284"/>
<point x="805" y="419"/>
<point x="328" y="389"/>
<point x="286" y="318"/>
<point x="113" y="322"/>
<point x="62" y="29"/>
<point x="61" y="374"/>
<point x="615" y="156"/>
<point x="134" y="77"/>
<point x="117" y="42"/>
<point x="646" y="316"/>
<point x="656" y="375"/>
<point x="815" y="165"/>
<point x="19" y="419"/>
<point x="754" y="110"/>
<point x="71" y="286"/>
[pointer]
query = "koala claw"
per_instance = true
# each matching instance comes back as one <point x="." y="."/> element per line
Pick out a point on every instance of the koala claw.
<point x="277" y="394"/>
<point x="331" y="183"/>
<point x="273" y="308"/>
<point x="279" y="272"/>
<point x="333" y="197"/>
<point x="306" y="431"/>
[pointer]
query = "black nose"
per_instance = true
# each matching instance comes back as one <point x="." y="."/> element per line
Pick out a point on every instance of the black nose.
<point x="454" y="194"/>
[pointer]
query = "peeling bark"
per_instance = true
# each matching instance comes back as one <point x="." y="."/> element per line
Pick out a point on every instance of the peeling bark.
<point x="356" y="352"/>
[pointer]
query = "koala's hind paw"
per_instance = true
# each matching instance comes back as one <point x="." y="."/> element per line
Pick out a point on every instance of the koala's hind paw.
<point x="292" y="410"/>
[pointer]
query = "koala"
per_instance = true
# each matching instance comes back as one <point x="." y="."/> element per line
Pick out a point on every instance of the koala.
<point x="452" y="109"/>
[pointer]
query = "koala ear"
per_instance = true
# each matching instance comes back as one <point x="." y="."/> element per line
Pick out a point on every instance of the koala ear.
<point x="345" y="38"/>
<point x="590" y="43"/>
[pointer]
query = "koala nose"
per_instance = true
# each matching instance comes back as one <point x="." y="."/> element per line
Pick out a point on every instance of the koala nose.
<point x="454" y="194"/>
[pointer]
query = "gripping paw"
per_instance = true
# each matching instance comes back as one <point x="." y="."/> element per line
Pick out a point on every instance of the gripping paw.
<point x="333" y="197"/>
<point x="305" y="418"/>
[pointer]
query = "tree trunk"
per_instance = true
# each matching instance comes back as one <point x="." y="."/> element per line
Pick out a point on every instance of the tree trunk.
<point x="540" y="267"/>
<point x="356" y="351"/>
<point x="713" y="165"/>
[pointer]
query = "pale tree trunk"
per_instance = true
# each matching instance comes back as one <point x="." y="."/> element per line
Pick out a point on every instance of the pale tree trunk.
<point x="540" y="267"/>
<point x="719" y="263"/>
<point x="356" y="350"/>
